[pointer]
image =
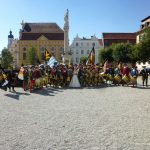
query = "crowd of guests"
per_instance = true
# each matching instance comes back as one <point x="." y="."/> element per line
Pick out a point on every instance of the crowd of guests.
<point x="73" y="76"/>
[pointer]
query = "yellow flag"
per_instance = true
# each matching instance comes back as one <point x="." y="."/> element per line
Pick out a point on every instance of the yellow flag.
<point x="47" y="55"/>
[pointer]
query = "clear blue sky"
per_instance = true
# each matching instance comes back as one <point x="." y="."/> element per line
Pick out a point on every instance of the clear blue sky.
<point x="87" y="17"/>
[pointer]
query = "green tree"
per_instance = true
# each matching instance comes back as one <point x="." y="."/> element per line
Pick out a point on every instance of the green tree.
<point x="123" y="52"/>
<point x="31" y="56"/>
<point x="83" y="60"/>
<point x="105" y="54"/>
<point x="142" y="50"/>
<point x="7" y="58"/>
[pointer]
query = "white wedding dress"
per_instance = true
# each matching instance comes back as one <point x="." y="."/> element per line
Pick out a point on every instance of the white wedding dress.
<point x="75" y="81"/>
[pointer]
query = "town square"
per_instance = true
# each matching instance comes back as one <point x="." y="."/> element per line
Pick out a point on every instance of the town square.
<point x="74" y="75"/>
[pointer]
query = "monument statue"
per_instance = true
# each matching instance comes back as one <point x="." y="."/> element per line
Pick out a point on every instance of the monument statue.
<point x="66" y="37"/>
<point x="66" y="18"/>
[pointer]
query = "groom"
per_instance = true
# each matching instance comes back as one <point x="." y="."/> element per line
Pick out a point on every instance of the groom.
<point x="80" y="74"/>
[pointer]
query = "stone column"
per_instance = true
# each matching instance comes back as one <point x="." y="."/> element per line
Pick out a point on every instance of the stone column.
<point x="66" y="37"/>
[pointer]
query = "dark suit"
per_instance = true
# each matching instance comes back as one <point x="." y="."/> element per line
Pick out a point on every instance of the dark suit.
<point x="144" y="72"/>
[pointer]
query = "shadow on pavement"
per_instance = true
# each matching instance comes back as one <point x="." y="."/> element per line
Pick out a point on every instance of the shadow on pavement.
<point x="16" y="95"/>
<point x="141" y="87"/>
<point x="49" y="91"/>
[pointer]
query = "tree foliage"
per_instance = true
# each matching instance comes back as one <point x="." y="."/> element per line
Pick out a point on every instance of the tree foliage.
<point x="123" y="52"/>
<point x="105" y="54"/>
<point x="142" y="50"/>
<point x="31" y="56"/>
<point x="83" y="60"/>
<point x="7" y="58"/>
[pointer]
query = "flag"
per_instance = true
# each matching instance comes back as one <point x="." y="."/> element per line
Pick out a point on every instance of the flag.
<point x="91" y="57"/>
<point x="52" y="61"/>
<point x="20" y="75"/>
<point x="105" y="66"/>
<point x="47" y="55"/>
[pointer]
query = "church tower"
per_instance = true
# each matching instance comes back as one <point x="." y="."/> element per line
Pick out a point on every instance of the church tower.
<point x="10" y="39"/>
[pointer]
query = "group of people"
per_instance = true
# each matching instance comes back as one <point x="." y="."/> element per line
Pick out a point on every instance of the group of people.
<point x="74" y="76"/>
<point x="8" y="79"/>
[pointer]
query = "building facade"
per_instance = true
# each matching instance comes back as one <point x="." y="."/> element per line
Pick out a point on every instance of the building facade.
<point x="41" y="36"/>
<point x="145" y="23"/>
<point x="14" y="49"/>
<point x="82" y="47"/>
<point x="110" y="38"/>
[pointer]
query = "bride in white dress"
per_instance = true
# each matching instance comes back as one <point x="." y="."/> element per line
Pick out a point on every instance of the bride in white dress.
<point x="75" y="81"/>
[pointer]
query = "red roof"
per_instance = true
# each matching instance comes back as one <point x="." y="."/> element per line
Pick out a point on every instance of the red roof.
<point x="42" y="28"/>
<point x="35" y="36"/>
<point x="32" y="31"/>
<point x="119" y="35"/>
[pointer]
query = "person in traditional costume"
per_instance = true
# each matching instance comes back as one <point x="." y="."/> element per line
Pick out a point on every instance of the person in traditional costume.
<point x="134" y="75"/>
<point x="80" y="74"/>
<point x="26" y="79"/>
<point x="3" y="80"/>
<point x="64" y="74"/>
<point x="144" y="72"/>
<point x="117" y="76"/>
<point x="125" y="75"/>
<point x="70" y="74"/>
<point x="54" y="76"/>
<point x="31" y="77"/>
<point x="11" y="77"/>
<point x="75" y="81"/>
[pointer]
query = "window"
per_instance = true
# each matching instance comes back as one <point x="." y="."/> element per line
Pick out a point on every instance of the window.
<point x="140" y="37"/>
<point x="24" y="49"/>
<point x="77" y="44"/>
<point x="88" y="51"/>
<point x="71" y="51"/>
<point x="87" y="44"/>
<point x="24" y="55"/>
<point x="81" y="44"/>
<point x="42" y="49"/>
<point x="77" y="60"/>
<point x="61" y="50"/>
<point x="82" y="51"/>
<point x="42" y="56"/>
<point x="52" y="49"/>
<point x="77" y="52"/>
<point x="106" y="43"/>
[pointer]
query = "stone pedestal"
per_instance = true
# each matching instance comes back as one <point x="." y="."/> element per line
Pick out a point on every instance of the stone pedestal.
<point x="67" y="59"/>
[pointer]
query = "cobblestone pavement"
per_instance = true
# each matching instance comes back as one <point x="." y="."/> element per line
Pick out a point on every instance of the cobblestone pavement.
<point x="106" y="118"/>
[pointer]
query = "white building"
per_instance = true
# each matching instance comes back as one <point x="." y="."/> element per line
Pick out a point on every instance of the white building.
<point x="82" y="47"/>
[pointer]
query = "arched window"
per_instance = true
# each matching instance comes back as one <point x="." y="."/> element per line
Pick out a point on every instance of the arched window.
<point x="24" y="53"/>
<point x="42" y="50"/>
<point x="61" y="50"/>
<point x="52" y="49"/>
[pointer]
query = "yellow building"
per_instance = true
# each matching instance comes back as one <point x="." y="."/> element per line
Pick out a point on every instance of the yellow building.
<point x="41" y="36"/>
